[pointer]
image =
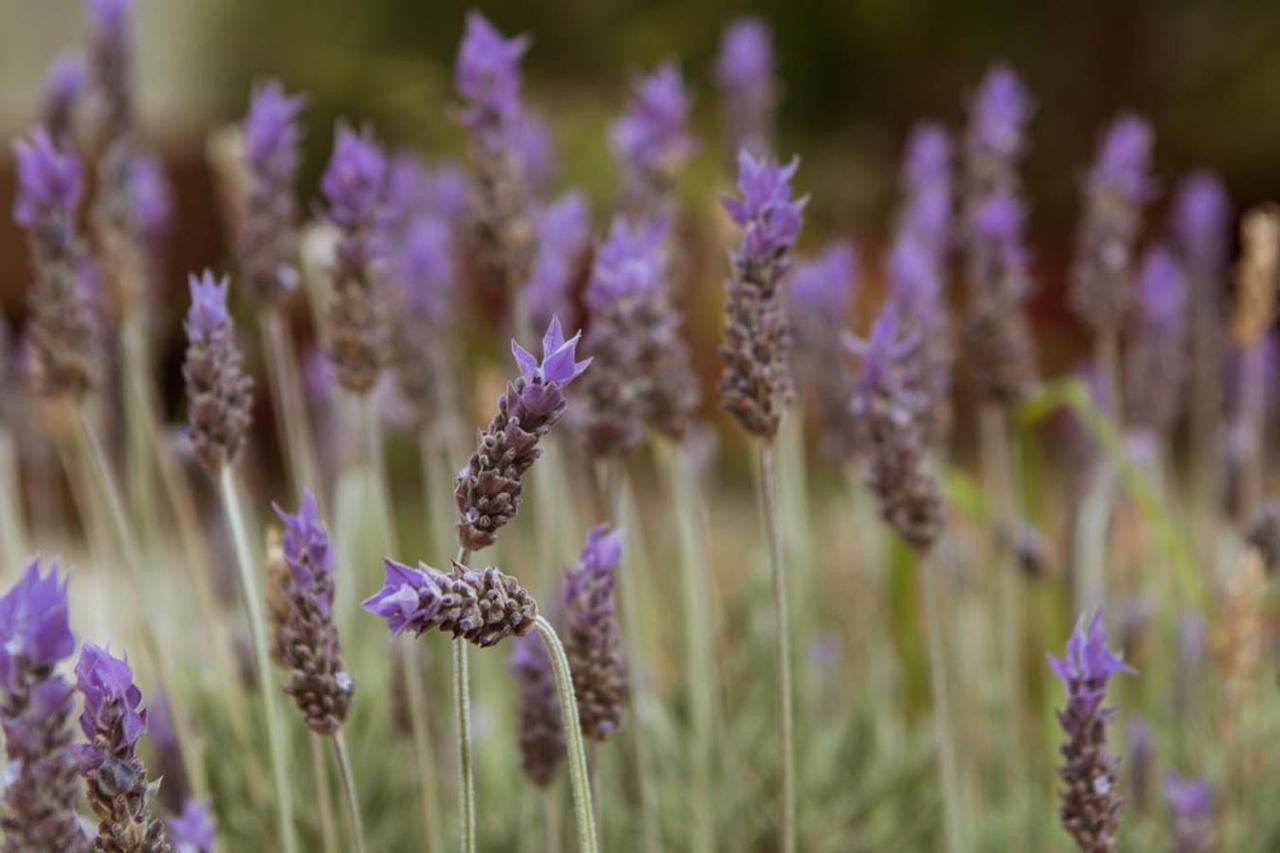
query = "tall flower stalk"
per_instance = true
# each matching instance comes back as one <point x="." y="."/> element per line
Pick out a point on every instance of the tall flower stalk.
<point x="755" y="386"/>
<point x="35" y="711"/>
<point x="219" y="395"/>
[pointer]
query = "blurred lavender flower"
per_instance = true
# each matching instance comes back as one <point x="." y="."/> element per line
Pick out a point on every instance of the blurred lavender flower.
<point x="926" y="187"/>
<point x="818" y="305"/>
<point x="308" y="638"/>
<point x="1190" y="803"/>
<point x="61" y="338"/>
<point x="489" y="488"/>
<point x="193" y="831"/>
<point x="35" y="706"/>
<point x="888" y="405"/>
<point x="1090" y="802"/>
<point x="1156" y="368"/>
<point x="535" y="148"/>
<point x="151" y="199"/>
<point x="267" y="242"/>
<point x="500" y="230"/>
<point x="65" y="87"/>
<point x="482" y="607"/>
<point x="355" y="185"/>
<point x="748" y="86"/>
<point x="755" y="384"/>
<point x="564" y="231"/>
<point x="1117" y="189"/>
<point x="996" y="136"/>
<point x="651" y="141"/>
<point x="219" y="394"/>
<point x="1200" y="222"/>
<point x="915" y="282"/>
<point x="593" y="642"/>
<point x="113" y="722"/>
<point x="1141" y="763"/>
<point x="541" y="730"/>
<point x="111" y="66"/>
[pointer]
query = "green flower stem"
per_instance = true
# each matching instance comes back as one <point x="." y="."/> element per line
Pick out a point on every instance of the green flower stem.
<point x="324" y="802"/>
<point x="287" y="401"/>
<point x="948" y="770"/>
<point x="349" y="788"/>
<point x="579" y="778"/>
<point x="462" y="729"/>
<point x="250" y="590"/>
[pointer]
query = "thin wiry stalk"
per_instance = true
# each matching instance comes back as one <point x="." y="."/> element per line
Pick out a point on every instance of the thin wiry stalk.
<point x="769" y="509"/>
<point x="95" y="458"/>
<point x="701" y="676"/>
<point x="423" y="752"/>
<point x="947" y="769"/>
<point x="349" y="788"/>
<point x="462" y="731"/>
<point x="250" y="591"/>
<point x="286" y="398"/>
<point x="12" y="533"/>
<point x="579" y="778"/>
<point x="139" y="407"/>
<point x="328" y="837"/>
<point x="377" y="473"/>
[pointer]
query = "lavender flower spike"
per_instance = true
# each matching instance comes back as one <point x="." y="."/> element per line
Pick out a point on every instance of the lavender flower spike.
<point x="1090" y="801"/>
<point x="1190" y="803"/>
<point x="593" y="641"/>
<point x="64" y="91"/>
<point x="748" y="88"/>
<point x="267" y="243"/>
<point x="1116" y="190"/>
<point x="481" y="607"/>
<point x="113" y="722"/>
<point x="651" y="140"/>
<point x="35" y="707"/>
<point x="193" y="831"/>
<point x="62" y="334"/>
<point x="755" y="385"/>
<point x="488" y="489"/>
<point x="1201" y="222"/>
<point x="308" y="638"/>
<point x="563" y="233"/>
<point x="219" y="394"/>
<point x="541" y="732"/>
<point x="487" y="74"/>
<point x="355" y="186"/>
<point x="1157" y="361"/>
<point x="111" y="65"/>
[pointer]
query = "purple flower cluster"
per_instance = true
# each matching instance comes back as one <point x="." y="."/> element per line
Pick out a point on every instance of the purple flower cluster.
<point x="113" y="722"/>
<point x="631" y="262"/>
<point x="1200" y="222"/>
<point x="915" y="287"/>
<point x="593" y="641"/>
<point x="755" y="385"/>
<point x="1117" y="189"/>
<point x="926" y="185"/>
<point x="651" y="141"/>
<point x="65" y="86"/>
<point x="1190" y="803"/>
<point x="535" y="150"/>
<point x="482" y="607"/>
<point x="111" y="66"/>
<point x="1157" y="360"/>
<point x="1090" y="801"/>
<point x="267" y="243"/>
<point x="50" y="183"/>
<point x="748" y="88"/>
<point x="35" y="708"/>
<point x="193" y="831"/>
<point x="219" y="393"/>
<point x="563" y="233"/>
<point x="487" y="75"/>
<point x="489" y="488"/>
<point x="541" y="730"/>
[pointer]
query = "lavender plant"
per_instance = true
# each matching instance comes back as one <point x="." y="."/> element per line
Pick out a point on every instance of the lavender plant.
<point x="40" y="796"/>
<point x="1090" y="800"/>
<point x="593" y="640"/>
<point x="65" y="86"/>
<point x="194" y="830"/>
<point x="748" y="87"/>
<point x="1190" y="803"/>
<point x="113" y="722"/>
<point x="1157" y="361"/>
<point x="541" y="732"/>
<point x="651" y="143"/>
<point x="564" y="233"/>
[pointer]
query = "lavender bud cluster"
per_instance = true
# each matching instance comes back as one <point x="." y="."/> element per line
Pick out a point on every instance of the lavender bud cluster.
<point x="541" y="731"/>
<point x="593" y="641"/>
<point x="219" y="393"/>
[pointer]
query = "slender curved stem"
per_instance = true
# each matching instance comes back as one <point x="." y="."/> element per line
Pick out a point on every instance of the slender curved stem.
<point x="349" y="788"/>
<point x="579" y="779"/>
<point x="947" y="769"/>
<point x="462" y="729"/>
<point x="769" y="508"/>
<point x="262" y="660"/>
<point x="328" y="839"/>
<point x="286" y="397"/>
<point x="424" y="754"/>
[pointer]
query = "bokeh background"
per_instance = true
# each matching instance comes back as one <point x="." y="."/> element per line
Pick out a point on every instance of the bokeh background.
<point x="856" y="75"/>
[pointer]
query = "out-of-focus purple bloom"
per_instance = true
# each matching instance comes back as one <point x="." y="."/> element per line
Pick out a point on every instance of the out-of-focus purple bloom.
<point x="152" y="197"/>
<point x="354" y="181"/>
<point x="915" y="282"/>
<point x="541" y="730"/>
<point x="1201" y="226"/>
<point x="564" y="229"/>
<point x="1124" y="161"/>
<point x="1190" y="803"/>
<point x="34" y="629"/>
<point x="558" y="366"/>
<point x="111" y="65"/>
<point x="998" y="115"/>
<point x="50" y="183"/>
<point x="535" y="148"/>
<point x="1162" y="290"/>
<point x="824" y="287"/>
<point x="633" y="260"/>
<point x="745" y="75"/>
<point x="482" y="607"/>
<point x="487" y="76"/>
<point x="272" y="136"/>
<point x="926" y="183"/>
<point x="35" y="705"/>
<point x="593" y="641"/>
<point x="1090" y="803"/>
<point x="447" y="190"/>
<point x="193" y="831"/>
<point x="770" y="218"/>
<point x="64" y="90"/>
<point x="651" y="140"/>
<point x="1156" y="369"/>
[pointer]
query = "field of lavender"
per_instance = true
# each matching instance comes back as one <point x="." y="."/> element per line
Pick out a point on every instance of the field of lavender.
<point x="445" y="534"/>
